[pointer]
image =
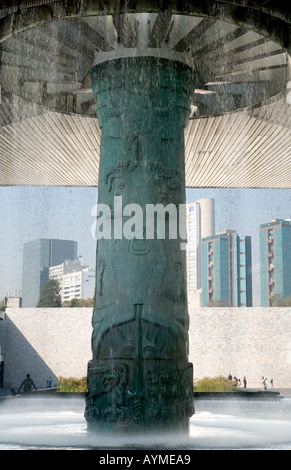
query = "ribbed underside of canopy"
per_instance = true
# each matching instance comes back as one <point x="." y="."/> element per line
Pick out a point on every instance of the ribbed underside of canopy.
<point x="239" y="149"/>
<point x="239" y="134"/>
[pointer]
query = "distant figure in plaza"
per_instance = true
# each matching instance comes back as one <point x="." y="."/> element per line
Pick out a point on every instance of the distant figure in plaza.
<point x="245" y="382"/>
<point x="49" y="382"/>
<point x="266" y="383"/>
<point x="27" y="385"/>
<point x="229" y="376"/>
<point x="272" y="384"/>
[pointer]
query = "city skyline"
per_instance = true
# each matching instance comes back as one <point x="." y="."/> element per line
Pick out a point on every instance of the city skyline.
<point x="28" y="213"/>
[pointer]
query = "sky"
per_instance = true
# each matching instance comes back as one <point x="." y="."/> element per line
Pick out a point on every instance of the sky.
<point x="28" y="213"/>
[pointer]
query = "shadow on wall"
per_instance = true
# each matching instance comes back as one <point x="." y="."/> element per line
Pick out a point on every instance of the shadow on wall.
<point x="20" y="358"/>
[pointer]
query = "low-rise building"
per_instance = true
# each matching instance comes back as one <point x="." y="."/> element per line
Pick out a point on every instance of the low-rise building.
<point x="75" y="279"/>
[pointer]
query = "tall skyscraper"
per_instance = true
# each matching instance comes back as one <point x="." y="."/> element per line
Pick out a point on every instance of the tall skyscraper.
<point x="227" y="270"/>
<point x="200" y="223"/>
<point x="38" y="256"/>
<point x="275" y="261"/>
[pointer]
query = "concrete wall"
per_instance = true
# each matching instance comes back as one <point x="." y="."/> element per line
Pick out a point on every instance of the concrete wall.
<point x="254" y="342"/>
<point x="46" y="342"/>
<point x="243" y="341"/>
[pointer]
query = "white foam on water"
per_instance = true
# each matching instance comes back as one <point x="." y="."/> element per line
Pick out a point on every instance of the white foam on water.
<point x="60" y="424"/>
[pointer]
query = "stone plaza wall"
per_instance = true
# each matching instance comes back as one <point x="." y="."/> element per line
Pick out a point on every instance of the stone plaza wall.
<point x="57" y="342"/>
<point x="251" y="342"/>
<point x="46" y="342"/>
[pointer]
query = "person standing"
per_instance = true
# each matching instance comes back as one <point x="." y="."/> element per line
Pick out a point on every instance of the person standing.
<point x="27" y="385"/>
<point x="245" y="382"/>
<point x="266" y="383"/>
<point x="49" y="382"/>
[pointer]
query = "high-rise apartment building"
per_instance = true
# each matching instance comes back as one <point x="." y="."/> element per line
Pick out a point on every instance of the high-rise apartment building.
<point x="227" y="270"/>
<point x="76" y="280"/>
<point x="38" y="256"/>
<point x="275" y="261"/>
<point x="200" y="224"/>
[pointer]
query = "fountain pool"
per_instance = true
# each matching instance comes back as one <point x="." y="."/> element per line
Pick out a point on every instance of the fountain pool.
<point x="58" y="423"/>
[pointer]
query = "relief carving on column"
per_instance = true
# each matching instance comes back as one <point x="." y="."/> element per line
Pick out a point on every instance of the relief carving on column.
<point x="139" y="373"/>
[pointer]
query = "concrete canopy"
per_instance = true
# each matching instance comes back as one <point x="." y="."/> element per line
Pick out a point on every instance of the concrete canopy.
<point x="239" y="134"/>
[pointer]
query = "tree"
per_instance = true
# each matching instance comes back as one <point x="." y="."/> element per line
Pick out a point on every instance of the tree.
<point x="50" y="295"/>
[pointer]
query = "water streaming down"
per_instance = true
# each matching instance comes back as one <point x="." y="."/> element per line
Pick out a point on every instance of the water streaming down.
<point x="59" y="423"/>
<point x="47" y="98"/>
<point x="41" y="424"/>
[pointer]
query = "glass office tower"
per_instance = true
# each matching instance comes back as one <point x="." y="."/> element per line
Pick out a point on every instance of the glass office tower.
<point x="275" y="261"/>
<point x="227" y="270"/>
<point x="38" y="256"/>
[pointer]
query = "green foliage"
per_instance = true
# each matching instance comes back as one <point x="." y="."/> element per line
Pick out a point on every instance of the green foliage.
<point x="50" y="295"/>
<point x="213" y="384"/>
<point x="73" y="303"/>
<point x="218" y="304"/>
<point x="281" y="301"/>
<point x="71" y="384"/>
